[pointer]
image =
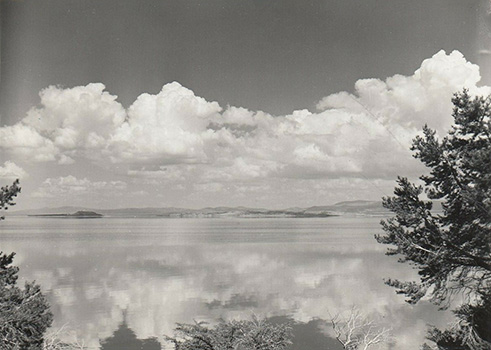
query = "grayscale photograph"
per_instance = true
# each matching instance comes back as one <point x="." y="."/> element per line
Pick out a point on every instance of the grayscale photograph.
<point x="245" y="174"/>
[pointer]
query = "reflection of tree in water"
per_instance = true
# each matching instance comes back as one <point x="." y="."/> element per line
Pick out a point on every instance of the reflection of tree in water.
<point x="305" y="336"/>
<point x="308" y="335"/>
<point x="124" y="338"/>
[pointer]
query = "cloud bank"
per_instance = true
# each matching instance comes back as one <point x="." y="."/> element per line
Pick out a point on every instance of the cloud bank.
<point x="70" y="186"/>
<point x="177" y="137"/>
<point x="11" y="171"/>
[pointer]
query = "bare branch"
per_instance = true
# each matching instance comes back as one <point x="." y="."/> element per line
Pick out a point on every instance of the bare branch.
<point x="356" y="331"/>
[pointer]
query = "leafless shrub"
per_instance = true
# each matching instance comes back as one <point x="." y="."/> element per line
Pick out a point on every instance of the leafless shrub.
<point x="52" y="341"/>
<point x="355" y="331"/>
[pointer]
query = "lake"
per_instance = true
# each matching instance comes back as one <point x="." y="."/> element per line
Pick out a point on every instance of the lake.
<point x="144" y="275"/>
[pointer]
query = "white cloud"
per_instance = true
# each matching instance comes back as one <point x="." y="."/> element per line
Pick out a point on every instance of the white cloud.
<point x="78" y="120"/>
<point x="26" y="142"/>
<point x="11" y="171"/>
<point x="65" y="160"/>
<point x="170" y="127"/>
<point x="183" y="139"/>
<point x="74" y="188"/>
<point x="402" y="103"/>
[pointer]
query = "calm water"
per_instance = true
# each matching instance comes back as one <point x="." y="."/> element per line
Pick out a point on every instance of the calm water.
<point x="162" y="271"/>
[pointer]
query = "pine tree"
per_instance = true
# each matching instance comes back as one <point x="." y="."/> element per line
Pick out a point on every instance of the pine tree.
<point x="452" y="251"/>
<point x="7" y="195"/>
<point x="24" y="313"/>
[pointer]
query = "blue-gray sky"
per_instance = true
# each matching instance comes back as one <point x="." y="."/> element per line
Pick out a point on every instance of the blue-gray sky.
<point x="275" y="56"/>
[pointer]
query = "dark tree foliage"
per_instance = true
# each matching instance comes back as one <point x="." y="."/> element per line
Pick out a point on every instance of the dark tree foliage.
<point x="472" y="330"/>
<point x="24" y="313"/>
<point x="452" y="251"/>
<point x="7" y="195"/>
<point x="251" y="335"/>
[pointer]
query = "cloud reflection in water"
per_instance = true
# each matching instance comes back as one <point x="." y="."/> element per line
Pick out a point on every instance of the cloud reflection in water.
<point x="168" y="271"/>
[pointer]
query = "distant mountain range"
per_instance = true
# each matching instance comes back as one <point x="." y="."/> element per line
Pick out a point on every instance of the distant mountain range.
<point x="365" y="208"/>
<point x="83" y="214"/>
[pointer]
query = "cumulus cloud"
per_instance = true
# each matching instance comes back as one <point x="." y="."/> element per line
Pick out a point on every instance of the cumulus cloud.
<point x="11" y="171"/>
<point x="70" y="186"/>
<point x="178" y="136"/>
<point x="168" y="127"/>
<point x="26" y="142"/>
<point x="401" y="103"/>
<point x="76" y="121"/>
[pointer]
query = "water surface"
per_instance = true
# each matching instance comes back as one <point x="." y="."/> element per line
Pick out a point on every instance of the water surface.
<point x="161" y="271"/>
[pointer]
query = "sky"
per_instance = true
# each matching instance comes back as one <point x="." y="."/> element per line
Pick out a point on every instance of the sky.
<point x="262" y="103"/>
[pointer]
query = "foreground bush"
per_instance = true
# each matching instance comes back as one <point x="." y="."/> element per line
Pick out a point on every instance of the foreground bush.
<point x="24" y="313"/>
<point x="254" y="335"/>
